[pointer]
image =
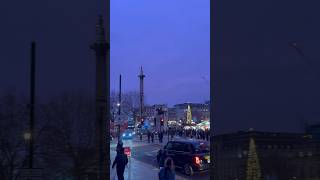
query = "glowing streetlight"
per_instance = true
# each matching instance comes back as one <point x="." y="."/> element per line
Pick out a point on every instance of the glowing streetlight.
<point x="118" y="104"/>
<point x="27" y="136"/>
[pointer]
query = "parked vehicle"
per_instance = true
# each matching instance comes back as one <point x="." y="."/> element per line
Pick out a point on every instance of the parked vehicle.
<point x="189" y="155"/>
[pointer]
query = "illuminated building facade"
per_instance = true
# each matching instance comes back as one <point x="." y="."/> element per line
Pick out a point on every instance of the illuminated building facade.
<point x="199" y="111"/>
<point x="281" y="155"/>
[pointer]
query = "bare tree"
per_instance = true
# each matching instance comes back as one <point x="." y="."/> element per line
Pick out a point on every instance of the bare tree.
<point x="129" y="102"/>
<point x="12" y="145"/>
<point x="68" y="136"/>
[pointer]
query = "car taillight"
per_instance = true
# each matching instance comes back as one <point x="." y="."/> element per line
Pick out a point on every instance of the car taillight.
<point x="197" y="159"/>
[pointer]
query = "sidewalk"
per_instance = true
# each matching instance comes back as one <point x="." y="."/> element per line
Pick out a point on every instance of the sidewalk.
<point x="137" y="170"/>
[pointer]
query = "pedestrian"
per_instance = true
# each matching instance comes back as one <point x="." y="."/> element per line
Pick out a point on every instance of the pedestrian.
<point x="119" y="146"/>
<point x="120" y="161"/>
<point x="152" y="136"/>
<point x="149" y="134"/>
<point x="140" y="136"/>
<point x="161" y="136"/>
<point x="167" y="173"/>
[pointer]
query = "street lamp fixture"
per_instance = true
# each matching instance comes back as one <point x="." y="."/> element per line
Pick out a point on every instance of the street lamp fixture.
<point x="27" y="136"/>
<point x="118" y="104"/>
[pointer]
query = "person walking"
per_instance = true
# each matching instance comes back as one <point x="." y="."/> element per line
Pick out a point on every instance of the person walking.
<point x="120" y="161"/>
<point x="161" y="136"/>
<point x="152" y="136"/>
<point x="149" y="134"/>
<point x="140" y="136"/>
<point x="167" y="173"/>
<point x="119" y="146"/>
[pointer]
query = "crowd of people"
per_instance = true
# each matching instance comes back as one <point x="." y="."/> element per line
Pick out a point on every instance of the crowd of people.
<point x="189" y="133"/>
<point x="151" y="136"/>
<point x="172" y="132"/>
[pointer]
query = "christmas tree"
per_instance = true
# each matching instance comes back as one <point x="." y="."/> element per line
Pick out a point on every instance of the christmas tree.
<point x="253" y="167"/>
<point x="189" y="115"/>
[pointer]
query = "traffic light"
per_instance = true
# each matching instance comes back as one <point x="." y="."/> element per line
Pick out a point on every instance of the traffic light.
<point x="161" y="122"/>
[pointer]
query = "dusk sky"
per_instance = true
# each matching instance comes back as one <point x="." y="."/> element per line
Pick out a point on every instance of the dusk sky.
<point x="63" y="31"/>
<point x="171" y="40"/>
<point x="163" y="36"/>
<point x="260" y="81"/>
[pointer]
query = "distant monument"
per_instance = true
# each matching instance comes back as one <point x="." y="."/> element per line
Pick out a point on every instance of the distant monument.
<point x="101" y="48"/>
<point x="189" y="115"/>
<point x="141" y="77"/>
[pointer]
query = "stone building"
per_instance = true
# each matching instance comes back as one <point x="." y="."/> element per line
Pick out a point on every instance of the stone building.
<point x="199" y="111"/>
<point x="281" y="155"/>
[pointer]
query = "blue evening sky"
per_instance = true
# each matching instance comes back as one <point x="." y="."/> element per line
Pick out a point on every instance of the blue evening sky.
<point x="170" y="39"/>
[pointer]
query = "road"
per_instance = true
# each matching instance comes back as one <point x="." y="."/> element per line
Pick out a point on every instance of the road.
<point x="146" y="153"/>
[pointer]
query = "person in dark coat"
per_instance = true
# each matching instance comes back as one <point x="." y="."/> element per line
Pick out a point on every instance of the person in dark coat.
<point x="120" y="161"/>
<point x="167" y="173"/>
<point x="119" y="146"/>
<point x="149" y="135"/>
<point x="152" y="136"/>
<point x="161" y="136"/>
<point x="140" y="136"/>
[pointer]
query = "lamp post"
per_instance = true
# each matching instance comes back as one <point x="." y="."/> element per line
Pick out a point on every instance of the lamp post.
<point x="168" y="129"/>
<point x="118" y="125"/>
<point x="30" y="134"/>
<point x="119" y="109"/>
<point x="27" y="136"/>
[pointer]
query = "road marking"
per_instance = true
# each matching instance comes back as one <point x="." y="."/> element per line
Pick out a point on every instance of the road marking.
<point x="149" y="154"/>
<point x="155" y="151"/>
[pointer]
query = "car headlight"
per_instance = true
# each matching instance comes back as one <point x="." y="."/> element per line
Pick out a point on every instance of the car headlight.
<point x="130" y="134"/>
<point x="123" y="135"/>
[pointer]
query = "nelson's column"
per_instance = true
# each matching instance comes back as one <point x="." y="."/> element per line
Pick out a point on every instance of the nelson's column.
<point x="101" y="48"/>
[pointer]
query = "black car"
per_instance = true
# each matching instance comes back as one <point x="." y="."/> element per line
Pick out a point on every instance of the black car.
<point x="189" y="155"/>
